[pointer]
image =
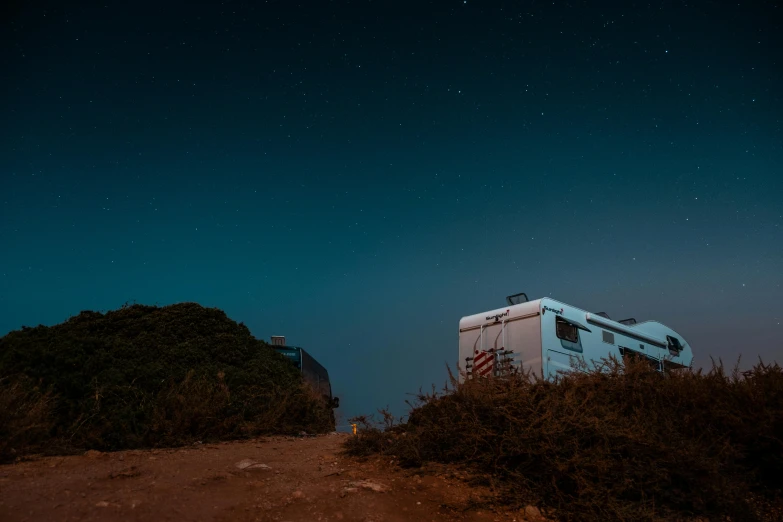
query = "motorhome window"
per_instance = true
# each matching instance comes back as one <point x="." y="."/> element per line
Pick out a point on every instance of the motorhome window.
<point x="674" y="343"/>
<point x="566" y="331"/>
<point x="632" y="354"/>
<point x="608" y="337"/>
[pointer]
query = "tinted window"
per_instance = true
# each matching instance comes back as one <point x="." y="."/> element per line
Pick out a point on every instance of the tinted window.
<point x="566" y="331"/>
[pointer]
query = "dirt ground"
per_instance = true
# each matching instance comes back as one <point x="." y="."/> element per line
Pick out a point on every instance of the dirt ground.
<point x="272" y="479"/>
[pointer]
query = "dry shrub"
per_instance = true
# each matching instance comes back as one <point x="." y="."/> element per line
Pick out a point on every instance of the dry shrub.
<point x="373" y="437"/>
<point x="197" y="408"/>
<point x="621" y="442"/>
<point x="203" y="408"/>
<point x="25" y="417"/>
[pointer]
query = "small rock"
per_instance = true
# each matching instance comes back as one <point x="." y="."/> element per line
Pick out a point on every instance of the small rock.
<point x="125" y="473"/>
<point x="297" y="494"/>
<point x="248" y="464"/>
<point x="368" y="484"/>
<point x="345" y="491"/>
<point x="102" y="503"/>
<point x="532" y="513"/>
<point x="92" y="454"/>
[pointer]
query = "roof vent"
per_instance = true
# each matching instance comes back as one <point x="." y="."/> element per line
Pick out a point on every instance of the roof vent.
<point x="604" y="315"/>
<point x="517" y="299"/>
<point x="278" y="340"/>
<point x="628" y="322"/>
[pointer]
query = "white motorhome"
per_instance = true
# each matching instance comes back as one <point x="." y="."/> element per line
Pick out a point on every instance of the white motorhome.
<point x="545" y="336"/>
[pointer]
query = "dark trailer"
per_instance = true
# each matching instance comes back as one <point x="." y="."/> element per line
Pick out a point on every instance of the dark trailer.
<point x="312" y="371"/>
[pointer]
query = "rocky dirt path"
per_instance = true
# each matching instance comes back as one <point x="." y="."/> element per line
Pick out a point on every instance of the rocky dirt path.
<point x="272" y="479"/>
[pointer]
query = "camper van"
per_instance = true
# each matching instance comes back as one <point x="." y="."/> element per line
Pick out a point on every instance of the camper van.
<point x="547" y="337"/>
<point x="312" y="371"/>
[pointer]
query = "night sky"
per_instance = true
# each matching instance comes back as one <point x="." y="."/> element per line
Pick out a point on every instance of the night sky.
<point x="359" y="175"/>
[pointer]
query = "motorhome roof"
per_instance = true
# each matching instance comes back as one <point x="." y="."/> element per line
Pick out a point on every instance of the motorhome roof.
<point x="527" y="306"/>
<point x="522" y="298"/>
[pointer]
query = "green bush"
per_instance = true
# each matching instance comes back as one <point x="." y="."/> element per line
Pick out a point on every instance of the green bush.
<point x="146" y="376"/>
<point x="623" y="442"/>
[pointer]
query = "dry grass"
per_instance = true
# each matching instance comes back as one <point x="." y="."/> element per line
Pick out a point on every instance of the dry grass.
<point x="622" y="442"/>
<point x="25" y="417"/>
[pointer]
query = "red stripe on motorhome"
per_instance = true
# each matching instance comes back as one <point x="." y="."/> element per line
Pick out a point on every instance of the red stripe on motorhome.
<point x="481" y="360"/>
<point x="483" y="363"/>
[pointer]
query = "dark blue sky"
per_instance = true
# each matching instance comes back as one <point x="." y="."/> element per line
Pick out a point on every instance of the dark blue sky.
<point x="359" y="175"/>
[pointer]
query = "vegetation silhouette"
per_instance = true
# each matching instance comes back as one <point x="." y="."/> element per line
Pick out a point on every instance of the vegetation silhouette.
<point x="619" y="442"/>
<point x="147" y="376"/>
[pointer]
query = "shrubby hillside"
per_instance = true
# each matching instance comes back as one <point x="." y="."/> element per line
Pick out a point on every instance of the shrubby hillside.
<point x="622" y="442"/>
<point x="145" y="376"/>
